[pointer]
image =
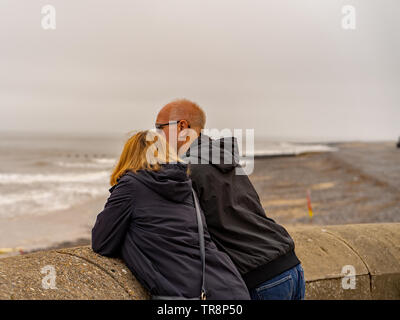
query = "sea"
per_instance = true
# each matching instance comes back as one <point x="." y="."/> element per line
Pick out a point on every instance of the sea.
<point x="42" y="173"/>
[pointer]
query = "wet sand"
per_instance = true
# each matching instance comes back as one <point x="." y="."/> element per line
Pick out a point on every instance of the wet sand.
<point x="360" y="183"/>
<point x="65" y="228"/>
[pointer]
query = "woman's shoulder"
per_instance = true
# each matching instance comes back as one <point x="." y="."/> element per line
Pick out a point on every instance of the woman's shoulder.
<point x="126" y="181"/>
<point x="131" y="178"/>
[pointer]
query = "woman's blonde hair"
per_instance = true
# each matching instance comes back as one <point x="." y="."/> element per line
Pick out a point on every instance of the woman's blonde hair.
<point x="145" y="150"/>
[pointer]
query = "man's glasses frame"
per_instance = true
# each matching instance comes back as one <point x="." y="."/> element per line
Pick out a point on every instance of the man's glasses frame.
<point x="162" y="125"/>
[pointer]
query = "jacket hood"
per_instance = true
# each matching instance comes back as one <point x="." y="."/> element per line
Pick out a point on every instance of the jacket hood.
<point x="170" y="182"/>
<point x="222" y="153"/>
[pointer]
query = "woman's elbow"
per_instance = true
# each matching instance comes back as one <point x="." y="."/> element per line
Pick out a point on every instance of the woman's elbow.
<point x="96" y="247"/>
<point x="97" y="243"/>
<point x="102" y="250"/>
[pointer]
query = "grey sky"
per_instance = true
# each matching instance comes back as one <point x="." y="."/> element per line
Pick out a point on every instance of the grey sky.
<point x="285" y="68"/>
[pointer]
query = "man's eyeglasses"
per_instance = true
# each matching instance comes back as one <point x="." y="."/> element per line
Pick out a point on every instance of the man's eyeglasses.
<point x="162" y="125"/>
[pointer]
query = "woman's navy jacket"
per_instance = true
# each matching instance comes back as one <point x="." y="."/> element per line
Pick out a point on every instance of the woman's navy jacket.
<point x="149" y="221"/>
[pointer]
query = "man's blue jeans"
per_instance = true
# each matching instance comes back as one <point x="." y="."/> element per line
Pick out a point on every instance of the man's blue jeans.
<point x="289" y="285"/>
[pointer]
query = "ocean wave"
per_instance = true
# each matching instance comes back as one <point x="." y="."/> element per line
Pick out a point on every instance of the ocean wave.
<point x="22" y="178"/>
<point x="93" y="163"/>
<point x="285" y="148"/>
<point x="39" y="202"/>
<point x="109" y="161"/>
<point x="31" y="202"/>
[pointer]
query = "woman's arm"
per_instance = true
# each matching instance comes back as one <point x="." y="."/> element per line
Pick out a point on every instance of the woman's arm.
<point x="112" y="223"/>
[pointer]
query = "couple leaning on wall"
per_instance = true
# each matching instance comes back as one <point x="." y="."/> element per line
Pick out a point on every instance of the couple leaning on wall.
<point x="189" y="227"/>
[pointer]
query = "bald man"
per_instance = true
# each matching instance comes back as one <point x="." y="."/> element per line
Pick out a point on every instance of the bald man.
<point x="261" y="249"/>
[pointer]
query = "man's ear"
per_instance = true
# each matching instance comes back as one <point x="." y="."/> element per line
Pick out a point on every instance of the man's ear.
<point x="183" y="125"/>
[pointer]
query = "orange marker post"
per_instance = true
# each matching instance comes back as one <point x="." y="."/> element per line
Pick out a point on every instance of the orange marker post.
<point x="310" y="212"/>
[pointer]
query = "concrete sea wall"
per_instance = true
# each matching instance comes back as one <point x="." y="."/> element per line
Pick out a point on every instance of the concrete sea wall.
<point x="371" y="251"/>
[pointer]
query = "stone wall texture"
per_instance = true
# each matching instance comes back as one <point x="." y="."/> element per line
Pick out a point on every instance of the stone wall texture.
<point x="373" y="250"/>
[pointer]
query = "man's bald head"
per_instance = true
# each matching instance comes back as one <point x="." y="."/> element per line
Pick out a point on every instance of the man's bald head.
<point x="183" y="109"/>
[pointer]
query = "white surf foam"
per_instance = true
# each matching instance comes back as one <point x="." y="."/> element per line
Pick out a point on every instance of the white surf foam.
<point x="286" y="148"/>
<point x="22" y="178"/>
<point x="39" y="202"/>
<point x="93" y="163"/>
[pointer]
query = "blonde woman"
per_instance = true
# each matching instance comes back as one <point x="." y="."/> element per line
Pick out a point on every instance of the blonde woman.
<point x="150" y="221"/>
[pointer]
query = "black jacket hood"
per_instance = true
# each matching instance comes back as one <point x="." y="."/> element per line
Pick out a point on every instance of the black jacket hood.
<point x="171" y="181"/>
<point x="221" y="153"/>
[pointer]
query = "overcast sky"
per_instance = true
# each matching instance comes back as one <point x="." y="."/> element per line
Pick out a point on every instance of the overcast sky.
<point x="286" y="68"/>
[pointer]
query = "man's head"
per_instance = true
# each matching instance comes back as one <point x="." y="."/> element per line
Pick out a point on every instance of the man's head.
<point x="180" y="119"/>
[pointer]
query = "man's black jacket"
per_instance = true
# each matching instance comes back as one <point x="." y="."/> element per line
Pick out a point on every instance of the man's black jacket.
<point x="259" y="247"/>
